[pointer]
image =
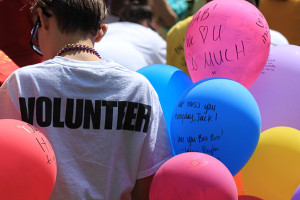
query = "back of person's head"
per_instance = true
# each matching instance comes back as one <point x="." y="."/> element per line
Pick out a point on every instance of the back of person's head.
<point x="116" y="7"/>
<point x="137" y="11"/>
<point x="85" y="16"/>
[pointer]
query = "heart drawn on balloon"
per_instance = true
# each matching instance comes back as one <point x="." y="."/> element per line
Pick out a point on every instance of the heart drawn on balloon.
<point x="203" y="31"/>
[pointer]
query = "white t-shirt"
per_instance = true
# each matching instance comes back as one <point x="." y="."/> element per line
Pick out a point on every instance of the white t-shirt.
<point x="104" y="122"/>
<point x="132" y="45"/>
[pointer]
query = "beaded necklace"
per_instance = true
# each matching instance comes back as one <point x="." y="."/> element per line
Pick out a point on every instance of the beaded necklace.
<point x="78" y="47"/>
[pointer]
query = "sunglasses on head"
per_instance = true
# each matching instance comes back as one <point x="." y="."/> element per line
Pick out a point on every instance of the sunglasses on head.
<point x="34" y="41"/>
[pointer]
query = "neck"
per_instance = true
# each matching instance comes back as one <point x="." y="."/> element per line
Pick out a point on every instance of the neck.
<point x="81" y="56"/>
<point x="76" y="39"/>
<point x="79" y="52"/>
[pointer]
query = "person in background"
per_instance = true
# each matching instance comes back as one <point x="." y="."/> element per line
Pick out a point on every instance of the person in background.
<point x="16" y="24"/>
<point x="180" y="7"/>
<point x="104" y="122"/>
<point x="175" y="44"/>
<point x="133" y="42"/>
<point x="115" y="10"/>
<point x="162" y="10"/>
<point x="176" y="37"/>
<point x="164" y="17"/>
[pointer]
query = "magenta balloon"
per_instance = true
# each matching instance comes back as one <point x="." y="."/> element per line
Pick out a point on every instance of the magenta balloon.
<point x="247" y="197"/>
<point x="277" y="89"/>
<point x="227" y="38"/>
<point x="193" y="176"/>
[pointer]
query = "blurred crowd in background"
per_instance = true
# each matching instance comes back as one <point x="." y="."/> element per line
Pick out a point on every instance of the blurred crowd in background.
<point x="146" y="30"/>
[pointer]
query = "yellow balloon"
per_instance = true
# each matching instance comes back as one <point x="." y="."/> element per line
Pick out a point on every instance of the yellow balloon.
<point x="273" y="171"/>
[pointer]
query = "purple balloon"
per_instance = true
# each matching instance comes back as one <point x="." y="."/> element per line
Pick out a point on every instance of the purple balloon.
<point x="296" y="195"/>
<point x="277" y="91"/>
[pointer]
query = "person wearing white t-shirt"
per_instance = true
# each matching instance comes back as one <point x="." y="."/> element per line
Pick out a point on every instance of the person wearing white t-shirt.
<point x="104" y="122"/>
<point x="132" y="42"/>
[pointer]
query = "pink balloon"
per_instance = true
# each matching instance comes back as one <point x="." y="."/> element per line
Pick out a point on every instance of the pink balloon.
<point x="227" y="38"/>
<point x="277" y="91"/>
<point x="193" y="176"/>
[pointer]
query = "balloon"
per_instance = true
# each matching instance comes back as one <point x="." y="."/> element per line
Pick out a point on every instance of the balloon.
<point x="238" y="182"/>
<point x="296" y="195"/>
<point x="272" y="173"/>
<point x="276" y="90"/>
<point x="193" y="176"/>
<point x="219" y="117"/>
<point x="169" y="83"/>
<point x="247" y="197"/>
<point x="28" y="165"/>
<point x="228" y="39"/>
<point x="7" y="66"/>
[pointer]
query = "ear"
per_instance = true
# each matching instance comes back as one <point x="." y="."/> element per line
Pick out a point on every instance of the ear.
<point x="101" y="32"/>
<point x="44" y="19"/>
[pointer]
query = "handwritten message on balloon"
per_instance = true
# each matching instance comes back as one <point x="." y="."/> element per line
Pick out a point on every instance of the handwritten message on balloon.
<point x="270" y="66"/>
<point x="218" y="117"/>
<point x="42" y="142"/>
<point x="194" y="113"/>
<point x="276" y="90"/>
<point x="228" y="39"/>
<point x="28" y="160"/>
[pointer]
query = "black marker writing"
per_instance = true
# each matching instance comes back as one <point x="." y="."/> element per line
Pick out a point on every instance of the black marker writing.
<point x="217" y="35"/>
<point x="208" y="62"/>
<point x="260" y="23"/>
<point x="240" y="51"/>
<point x="189" y="41"/>
<point x="194" y="65"/>
<point x="203" y="31"/>
<point x="216" y="58"/>
<point x="205" y="14"/>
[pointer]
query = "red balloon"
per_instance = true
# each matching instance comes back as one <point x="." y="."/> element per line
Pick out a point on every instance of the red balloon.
<point x="193" y="176"/>
<point x="28" y="165"/>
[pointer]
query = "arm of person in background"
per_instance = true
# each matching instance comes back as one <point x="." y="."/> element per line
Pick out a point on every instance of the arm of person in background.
<point x="142" y="188"/>
<point x="162" y="9"/>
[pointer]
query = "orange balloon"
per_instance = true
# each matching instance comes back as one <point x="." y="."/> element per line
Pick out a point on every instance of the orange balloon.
<point x="238" y="182"/>
<point x="28" y="165"/>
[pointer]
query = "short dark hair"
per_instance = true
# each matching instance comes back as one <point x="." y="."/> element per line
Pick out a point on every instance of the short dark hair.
<point x="73" y="15"/>
<point x="137" y="11"/>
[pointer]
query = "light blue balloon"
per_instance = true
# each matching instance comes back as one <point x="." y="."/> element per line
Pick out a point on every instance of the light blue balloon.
<point x="219" y="117"/>
<point x="169" y="82"/>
